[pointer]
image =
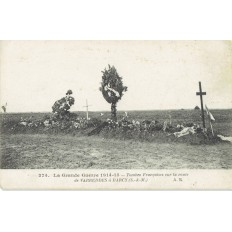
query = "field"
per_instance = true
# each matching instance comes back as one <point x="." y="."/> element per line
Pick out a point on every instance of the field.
<point x="66" y="151"/>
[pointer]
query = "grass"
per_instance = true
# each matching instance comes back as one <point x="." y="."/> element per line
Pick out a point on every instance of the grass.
<point x="68" y="152"/>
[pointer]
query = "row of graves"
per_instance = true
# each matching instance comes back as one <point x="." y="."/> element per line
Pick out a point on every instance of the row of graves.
<point x="63" y="121"/>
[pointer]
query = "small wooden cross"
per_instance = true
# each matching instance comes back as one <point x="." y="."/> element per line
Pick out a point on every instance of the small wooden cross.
<point x="202" y="109"/>
<point x="87" y="109"/>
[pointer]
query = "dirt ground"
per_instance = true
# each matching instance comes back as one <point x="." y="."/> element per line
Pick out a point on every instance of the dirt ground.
<point x="24" y="151"/>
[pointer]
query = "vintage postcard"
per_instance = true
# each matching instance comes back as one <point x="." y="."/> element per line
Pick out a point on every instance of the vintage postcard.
<point x="103" y="115"/>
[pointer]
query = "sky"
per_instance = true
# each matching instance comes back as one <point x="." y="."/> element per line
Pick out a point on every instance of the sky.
<point x="158" y="74"/>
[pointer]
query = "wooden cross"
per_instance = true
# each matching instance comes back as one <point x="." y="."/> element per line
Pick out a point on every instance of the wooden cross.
<point x="202" y="109"/>
<point x="87" y="109"/>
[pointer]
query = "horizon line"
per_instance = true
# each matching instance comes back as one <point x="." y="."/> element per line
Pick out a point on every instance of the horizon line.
<point x="13" y="112"/>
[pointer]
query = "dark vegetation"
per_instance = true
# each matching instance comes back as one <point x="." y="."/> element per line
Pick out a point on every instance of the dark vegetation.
<point x="139" y="125"/>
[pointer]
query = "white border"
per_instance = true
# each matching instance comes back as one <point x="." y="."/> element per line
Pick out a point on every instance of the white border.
<point x="108" y="19"/>
<point x="115" y="211"/>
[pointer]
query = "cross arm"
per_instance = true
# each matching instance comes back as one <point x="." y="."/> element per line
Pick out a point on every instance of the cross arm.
<point x="200" y="93"/>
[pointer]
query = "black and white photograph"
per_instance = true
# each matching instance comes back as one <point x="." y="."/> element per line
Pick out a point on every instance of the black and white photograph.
<point x="116" y="105"/>
<point x="115" y="115"/>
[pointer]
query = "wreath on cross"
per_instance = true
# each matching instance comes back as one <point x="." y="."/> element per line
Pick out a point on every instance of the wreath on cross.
<point x="112" y="86"/>
<point x="62" y="106"/>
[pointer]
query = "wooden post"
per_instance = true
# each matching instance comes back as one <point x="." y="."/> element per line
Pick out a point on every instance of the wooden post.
<point x="202" y="109"/>
<point x="210" y="117"/>
<point x="211" y="126"/>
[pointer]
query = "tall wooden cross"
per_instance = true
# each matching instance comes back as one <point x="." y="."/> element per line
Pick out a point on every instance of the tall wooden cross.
<point x="202" y="109"/>
<point x="87" y="109"/>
